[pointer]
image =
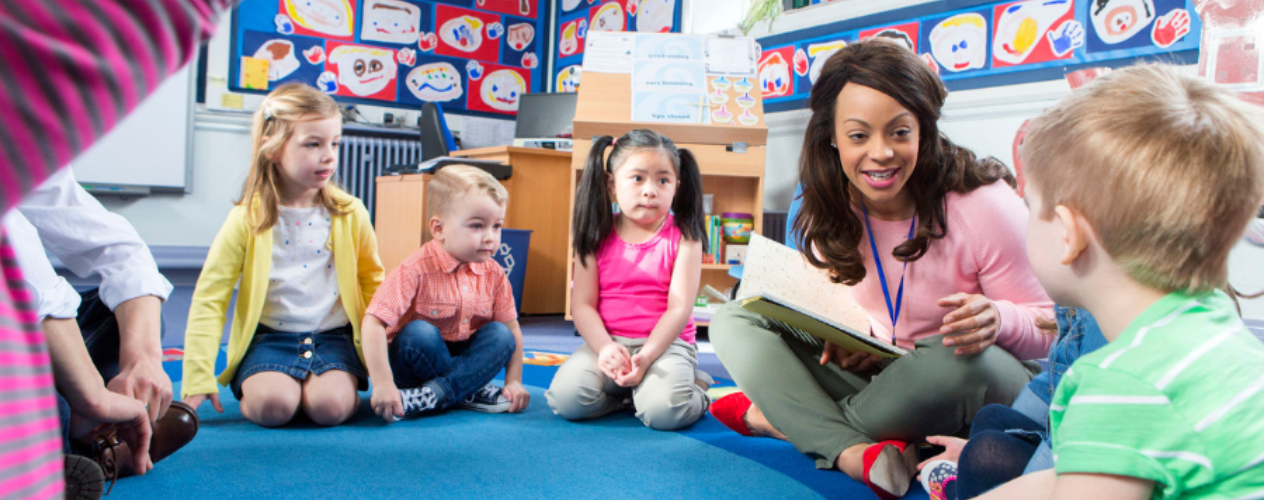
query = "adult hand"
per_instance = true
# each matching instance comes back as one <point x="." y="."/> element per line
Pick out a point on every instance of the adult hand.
<point x="129" y="418"/>
<point x="386" y="402"/>
<point x="858" y="362"/>
<point x="146" y="381"/>
<point x="518" y="396"/>
<point x="195" y="400"/>
<point x="972" y="326"/>
<point x="952" y="449"/>
<point x="614" y="360"/>
<point x="640" y="365"/>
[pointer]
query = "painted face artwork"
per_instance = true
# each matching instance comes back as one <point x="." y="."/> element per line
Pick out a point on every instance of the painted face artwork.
<point x="435" y="82"/>
<point x="569" y="5"/>
<point x="774" y="76"/>
<point x="656" y="16"/>
<point x="959" y="43"/>
<point x="570" y="38"/>
<point x="520" y="35"/>
<point x="502" y="89"/>
<point x="280" y="56"/>
<point x="898" y="36"/>
<point x="363" y="71"/>
<point x="1022" y="27"/>
<point x="609" y="18"/>
<point x="1118" y="20"/>
<point x="391" y="21"/>
<point x="568" y="78"/>
<point x="331" y="17"/>
<point x="819" y="53"/>
<point x="464" y="33"/>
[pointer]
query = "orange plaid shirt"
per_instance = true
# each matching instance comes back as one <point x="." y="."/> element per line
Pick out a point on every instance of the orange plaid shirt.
<point x="456" y="297"/>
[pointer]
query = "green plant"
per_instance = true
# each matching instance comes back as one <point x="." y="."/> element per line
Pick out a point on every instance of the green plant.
<point x="760" y="10"/>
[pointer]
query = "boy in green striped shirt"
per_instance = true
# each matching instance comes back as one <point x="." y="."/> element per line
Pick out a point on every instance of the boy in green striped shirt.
<point x="1139" y="185"/>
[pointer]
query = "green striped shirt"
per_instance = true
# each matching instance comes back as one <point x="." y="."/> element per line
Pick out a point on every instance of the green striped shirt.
<point x="1176" y="399"/>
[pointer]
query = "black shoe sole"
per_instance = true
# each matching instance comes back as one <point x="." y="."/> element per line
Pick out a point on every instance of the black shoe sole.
<point x="84" y="478"/>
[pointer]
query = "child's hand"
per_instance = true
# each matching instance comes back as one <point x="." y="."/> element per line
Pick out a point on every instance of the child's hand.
<point x="640" y="364"/>
<point x="195" y="400"/>
<point x="973" y="326"/>
<point x="859" y="362"/>
<point x="518" y="396"/>
<point x="952" y="449"/>
<point x="614" y="360"/>
<point x="386" y="402"/>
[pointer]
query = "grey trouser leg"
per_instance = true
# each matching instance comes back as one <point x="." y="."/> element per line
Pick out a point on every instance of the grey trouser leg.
<point x="823" y="410"/>
<point x="667" y="398"/>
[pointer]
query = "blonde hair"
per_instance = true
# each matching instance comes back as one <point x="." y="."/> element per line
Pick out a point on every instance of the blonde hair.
<point x="1167" y="168"/>
<point x="273" y="127"/>
<point x="452" y="182"/>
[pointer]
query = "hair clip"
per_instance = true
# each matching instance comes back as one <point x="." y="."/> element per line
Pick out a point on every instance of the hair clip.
<point x="615" y="142"/>
<point x="832" y="145"/>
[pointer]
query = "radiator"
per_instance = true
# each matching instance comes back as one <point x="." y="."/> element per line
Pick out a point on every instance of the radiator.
<point x="363" y="158"/>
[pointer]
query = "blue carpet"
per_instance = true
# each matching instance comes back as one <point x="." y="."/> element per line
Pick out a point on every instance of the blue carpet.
<point x="464" y="454"/>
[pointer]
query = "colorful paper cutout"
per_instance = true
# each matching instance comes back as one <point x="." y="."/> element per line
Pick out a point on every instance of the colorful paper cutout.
<point x="568" y="78"/>
<point x="428" y="42"/>
<point x="632" y="6"/>
<point x="774" y="72"/>
<point x="959" y="42"/>
<point x="464" y="33"/>
<point x="819" y="53"/>
<point x="406" y="56"/>
<point x="656" y="16"/>
<point x="495" y="31"/>
<point x="530" y="61"/>
<point x="434" y="82"/>
<point x="1065" y="38"/>
<point x="474" y="70"/>
<point x="283" y="24"/>
<point x="1020" y="30"/>
<point x="499" y="91"/>
<point x="328" y="18"/>
<point x="800" y="62"/>
<point x="1170" y="28"/>
<point x="1115" y="21"/>
<point x="391" y="21"/>
<point x="327" y="82"/>
<point x="254" y="73"/>
<point x="520" y="36"/>
<point x="607" y="17"/>
<point x="569" y="5"/>
<point x="905" y="34"/>
<point x="363" y="71"/>
<point x="526" y="8"/>
<point x="280" y="56"/>
<point x="570" y="42"/>
<point x="315" y="54"/>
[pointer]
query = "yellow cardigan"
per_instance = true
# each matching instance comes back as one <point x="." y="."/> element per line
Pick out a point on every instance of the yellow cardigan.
<point x="239" y="252"/>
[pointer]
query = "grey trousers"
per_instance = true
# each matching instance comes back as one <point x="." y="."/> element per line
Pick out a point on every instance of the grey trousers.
<point x="667" y="399"/>
<point x="824" y="410"/>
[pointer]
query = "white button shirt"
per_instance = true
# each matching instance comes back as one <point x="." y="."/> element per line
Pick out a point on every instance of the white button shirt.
<point x="61" y="217"/>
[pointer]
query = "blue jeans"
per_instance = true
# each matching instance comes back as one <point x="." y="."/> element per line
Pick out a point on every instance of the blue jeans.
<point x="419" y="355"/>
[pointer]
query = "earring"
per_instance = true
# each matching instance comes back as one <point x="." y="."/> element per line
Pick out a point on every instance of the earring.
<point x="832" y="145"/>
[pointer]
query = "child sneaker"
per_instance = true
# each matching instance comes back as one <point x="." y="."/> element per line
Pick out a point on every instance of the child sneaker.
<point x="417" y="401"/>
<point x="938" y="478"/>
<point x="490" y="399"/>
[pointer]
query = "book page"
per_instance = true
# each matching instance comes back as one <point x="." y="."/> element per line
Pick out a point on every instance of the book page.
<point x="775" y="269"/>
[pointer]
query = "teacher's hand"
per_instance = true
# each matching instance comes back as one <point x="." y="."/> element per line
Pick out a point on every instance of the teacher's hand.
<point x="973" y="326"/>
<point x="859" y="362"/>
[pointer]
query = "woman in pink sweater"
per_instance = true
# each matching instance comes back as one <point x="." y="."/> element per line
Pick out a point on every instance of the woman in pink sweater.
<point x="932" y="240"/>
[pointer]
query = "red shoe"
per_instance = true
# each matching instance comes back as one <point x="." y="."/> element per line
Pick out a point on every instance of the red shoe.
<point x="731" y="411"/>
<point x="889" y="468"/>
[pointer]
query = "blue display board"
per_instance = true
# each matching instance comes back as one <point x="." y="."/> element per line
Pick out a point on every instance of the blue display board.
<point x="470" y="56"/>
<point x="979" y="44"/>
<point x="577" y="17"/>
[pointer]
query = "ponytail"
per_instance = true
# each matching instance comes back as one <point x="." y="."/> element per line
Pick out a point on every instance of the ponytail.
<point x="594" y="218"/>
<point x="688" y="202"/>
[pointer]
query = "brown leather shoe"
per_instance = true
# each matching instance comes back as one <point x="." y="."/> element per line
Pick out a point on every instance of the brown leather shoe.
<point x="170" y="433"/>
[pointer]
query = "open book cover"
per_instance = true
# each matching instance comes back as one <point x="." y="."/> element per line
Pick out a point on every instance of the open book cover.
<point x="780" y="284"/>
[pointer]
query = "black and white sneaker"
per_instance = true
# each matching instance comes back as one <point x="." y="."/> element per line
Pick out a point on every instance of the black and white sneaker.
<point x="418" y="401"/>
<point x="490" y="399"/>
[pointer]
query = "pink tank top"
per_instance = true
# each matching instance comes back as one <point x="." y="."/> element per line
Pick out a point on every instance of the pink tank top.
<point x="633" y="281"/>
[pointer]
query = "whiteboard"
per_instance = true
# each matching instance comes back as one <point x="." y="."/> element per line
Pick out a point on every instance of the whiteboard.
<point x="150" y="147"/>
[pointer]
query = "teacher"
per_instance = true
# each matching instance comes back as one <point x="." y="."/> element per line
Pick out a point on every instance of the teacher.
<point x="932" y="240"/>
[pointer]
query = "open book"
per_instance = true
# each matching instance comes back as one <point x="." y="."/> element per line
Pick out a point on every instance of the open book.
<point x="780" y="284"/>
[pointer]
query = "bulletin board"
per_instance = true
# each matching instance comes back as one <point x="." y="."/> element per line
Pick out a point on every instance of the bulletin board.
<point x="577" y="17"/>
<point x="470" y="56"/>
<point x="992" y="43"/>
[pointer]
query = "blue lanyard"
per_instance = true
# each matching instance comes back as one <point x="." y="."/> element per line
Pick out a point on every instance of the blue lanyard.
<point x="894" y="312"/>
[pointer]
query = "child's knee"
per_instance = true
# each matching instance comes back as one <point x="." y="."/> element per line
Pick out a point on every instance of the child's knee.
<point x="576" y="396"/>
<point x="330" y="407"/>
<point x="500" y="337"/>
<point x="421" y="336"/>
<point x="670" y="410"/>
<point x="270" y="408"/>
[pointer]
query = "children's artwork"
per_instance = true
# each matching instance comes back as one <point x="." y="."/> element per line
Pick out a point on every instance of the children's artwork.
<point x="1170" y="28"/>
<point x="655" y="16"/>
<point x="499" y="91"/>
<point x="406" y="56"/>
<point x="280" y="56"/>
<point x="284" y="25"/>
<point x="428" y="42"/>
<point x="570" y="5"/>
<point x="434" y="82"/>
<point x="959" y="43"/>
<point x="495" y="31"/>
<point x="774" y="72"/>
<point x="800" y="62"/>
<point x="681" y="76"/>
<point x="819" y="53"/>
<point x="1116" y="21"/>
<point x="903" y="34"/>
<point x="327" y="18"/>
<point x="520" y="36"/>
<point x="526" y="8"/>
<point x="607" y="17"/>
<point x="1022" y="33"/>
<point x="669" y="47"/>
<point x="464" y="33"/>
<point x="670" y="107"/>
<point x="363" y="71"/>
<point x="568" y="78"/>
<point x="530" y="61"/>
<point x="254" y="73"/>
<point x="571" y="42"/>
<point x="731" y="102"/>
<point x="327" y="82"/>
<point x="391" y="21"/>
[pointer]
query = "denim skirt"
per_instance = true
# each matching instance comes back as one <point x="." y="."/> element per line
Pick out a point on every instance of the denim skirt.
<point x="297" y="354"/>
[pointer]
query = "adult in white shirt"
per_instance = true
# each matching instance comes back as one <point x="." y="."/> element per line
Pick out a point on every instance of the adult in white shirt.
<point x="114" y="330"/>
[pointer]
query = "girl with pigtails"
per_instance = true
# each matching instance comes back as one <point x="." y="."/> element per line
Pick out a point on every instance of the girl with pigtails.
<point x="637" y="270"/>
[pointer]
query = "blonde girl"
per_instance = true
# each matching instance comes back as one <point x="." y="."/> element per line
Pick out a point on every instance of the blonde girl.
<point x="306" y="256"/>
